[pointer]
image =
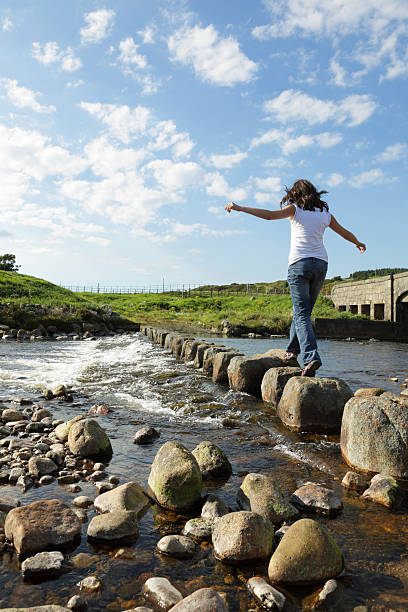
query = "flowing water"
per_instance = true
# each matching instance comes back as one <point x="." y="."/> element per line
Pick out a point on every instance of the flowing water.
<point x="143" y="384"/>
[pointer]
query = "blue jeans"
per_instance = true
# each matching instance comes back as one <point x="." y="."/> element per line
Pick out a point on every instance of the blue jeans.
<point x="305" y="278"/>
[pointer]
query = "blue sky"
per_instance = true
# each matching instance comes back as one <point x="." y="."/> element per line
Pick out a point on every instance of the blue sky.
<point x="126" y="127"/>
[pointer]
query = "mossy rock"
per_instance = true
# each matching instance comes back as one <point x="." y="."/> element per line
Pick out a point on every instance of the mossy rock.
<point x="261" y="494"/>
<point x="307" y="554"/>
<point x="212" y="460"/>
<point x="175" y="478"/>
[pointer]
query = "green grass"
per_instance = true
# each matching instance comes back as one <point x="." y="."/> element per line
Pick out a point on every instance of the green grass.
<point x="266" y="311"/>
<point x="15" y="287"/>
<point x="261" y="312"/>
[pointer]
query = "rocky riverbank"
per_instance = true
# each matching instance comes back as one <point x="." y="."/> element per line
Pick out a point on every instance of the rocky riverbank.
<point x="37" y="322"/>
<point x="289" y="534"/>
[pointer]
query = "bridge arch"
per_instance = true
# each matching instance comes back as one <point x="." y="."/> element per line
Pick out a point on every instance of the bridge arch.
<point x="401" y="310"/>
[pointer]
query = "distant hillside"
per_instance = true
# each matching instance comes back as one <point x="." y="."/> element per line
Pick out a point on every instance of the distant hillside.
<point x="363" y="274"/>
<point x="15" y="287"/>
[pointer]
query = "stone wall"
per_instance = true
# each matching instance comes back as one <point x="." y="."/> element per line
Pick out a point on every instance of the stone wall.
<point x="359" y="329"/>
<point x="375" y="297"/>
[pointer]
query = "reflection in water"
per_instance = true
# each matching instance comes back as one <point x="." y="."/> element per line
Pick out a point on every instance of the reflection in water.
<point x="143" y="384"/>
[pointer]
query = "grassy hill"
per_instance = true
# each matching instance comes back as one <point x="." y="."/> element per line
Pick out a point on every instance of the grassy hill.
<point x="262" y="313"/>
<point x="15" y="287"/>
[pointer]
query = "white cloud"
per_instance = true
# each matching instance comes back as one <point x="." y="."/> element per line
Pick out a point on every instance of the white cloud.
<point x="98" y="240"/>
<point x="216" y="210"/>
<point x="270" y="183"/>
<point x="379" y="29"/>
<point x="50" y="53"/>
<point x="290" y="144"/>
<point x="330" y="17"/>
<point x="106" y="159"/>
<point x="98" y="25"/>
<point x="23" y="97"/>
<point x="129" y="54"/>
<point x="123" y="122"/>
<point x="31" y="154"/>
<point x="126" y="124"/>
<point x="218" y="186"/>
<point x="339" y="74"/>
<point x="335" y="179"/>
<point x="227" y="161"/>
<point x="262" y="197"/>
<point x="293" y="105"/>
<point x="214" y="59"/>
<point x="371" y="177"/>
<point x="147" y="35"/>
<point x="175" y="175"/>
<point x="393" y="152"/>
<point x="132" y="63"/>
<point x="7" y="24"/>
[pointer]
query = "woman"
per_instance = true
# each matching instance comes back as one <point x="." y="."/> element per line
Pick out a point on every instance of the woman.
<point x="309" y="216"/>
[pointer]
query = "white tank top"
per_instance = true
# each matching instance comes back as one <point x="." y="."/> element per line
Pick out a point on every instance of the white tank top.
<point x="306" y="234"/>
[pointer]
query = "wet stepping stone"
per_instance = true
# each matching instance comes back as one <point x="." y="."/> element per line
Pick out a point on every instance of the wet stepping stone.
<point x="43" y="565"/>
<point x="313" y="497"/>
<point x="160" y="592"/>
<point x="177" y="546"/>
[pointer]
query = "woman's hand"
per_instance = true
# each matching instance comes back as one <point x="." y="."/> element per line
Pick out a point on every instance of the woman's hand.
<point x="361" y="247"/>
<point x="232" y="206"/>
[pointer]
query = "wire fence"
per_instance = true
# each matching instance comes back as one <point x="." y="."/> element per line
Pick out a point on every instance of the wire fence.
<point x="185" y="289"/>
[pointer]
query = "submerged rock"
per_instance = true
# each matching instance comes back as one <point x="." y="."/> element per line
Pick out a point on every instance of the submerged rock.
<point x="114" y="525"/>
<point x="313" y="404"/>
<point x="261" y="494"/>
<point x="86" y="438"/>
<point x="43" y="564"/>
<point x="129" y="496"/>
<point x="212" y="460"/>
<point x="199" y="529"/>
<point x="179" y="546"/>
<point x="354" y="481"/>
<point x="175" y="477"/>
<point x="161" y="592"/>
<point x="374" y="434"/>
<point x="146" y="435"/>
<point x="312" y="497"/>
<point x="241" y="537"/>
<point x="41" y="525"/>
<point x="384" y="490"/>
<point x="307" y="554"/>
<point x="269" y="597"/>
<point x="203" y="600"/>
<point x="214" y="508"/>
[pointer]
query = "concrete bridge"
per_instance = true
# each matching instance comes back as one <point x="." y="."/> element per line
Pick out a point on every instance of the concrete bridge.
<point x="384" y="298"/>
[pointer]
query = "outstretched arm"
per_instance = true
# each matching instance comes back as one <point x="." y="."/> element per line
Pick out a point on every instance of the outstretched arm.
<point x="282" y="213"/>
<point x="341" y="231"/>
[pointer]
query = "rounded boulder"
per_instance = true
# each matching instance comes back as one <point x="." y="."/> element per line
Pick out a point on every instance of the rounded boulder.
<point x="374" y="435"/>
<point x="86" y="438"/>
<point x="313" y="404"/>
<point x="242" y="537"/>
<point x="175" y="477"/>
<point x="212" y="460"/>
<point x="307" y="554"/>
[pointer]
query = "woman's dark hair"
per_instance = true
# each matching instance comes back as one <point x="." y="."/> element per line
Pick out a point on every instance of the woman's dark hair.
<point x="304" y="195"/>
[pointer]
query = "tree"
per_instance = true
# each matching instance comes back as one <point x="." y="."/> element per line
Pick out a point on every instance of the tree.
<point x="8" y="262"/>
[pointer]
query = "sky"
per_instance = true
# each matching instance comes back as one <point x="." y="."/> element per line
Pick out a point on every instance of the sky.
<point x="126" y="126"/>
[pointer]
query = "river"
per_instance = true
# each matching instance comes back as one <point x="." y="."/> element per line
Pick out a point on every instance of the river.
<point x="143" y="384"/>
